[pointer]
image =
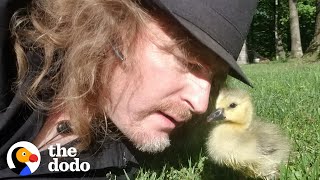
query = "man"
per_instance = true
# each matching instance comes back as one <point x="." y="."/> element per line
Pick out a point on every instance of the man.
<point x="105" y="75"/>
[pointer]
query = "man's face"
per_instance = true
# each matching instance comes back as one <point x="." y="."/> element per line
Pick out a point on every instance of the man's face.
<point x="157" y="94"/>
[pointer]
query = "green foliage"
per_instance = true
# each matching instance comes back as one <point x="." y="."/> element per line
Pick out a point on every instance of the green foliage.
<point x="261" y="36"/>
<point x="307" y="17"/>
<point x="286" y="94"/>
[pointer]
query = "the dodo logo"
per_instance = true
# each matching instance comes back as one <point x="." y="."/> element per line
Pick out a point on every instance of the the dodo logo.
<point x="23" y="158"/>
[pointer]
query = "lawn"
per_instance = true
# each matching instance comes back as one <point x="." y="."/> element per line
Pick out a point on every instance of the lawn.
<point x="287" y="94"/>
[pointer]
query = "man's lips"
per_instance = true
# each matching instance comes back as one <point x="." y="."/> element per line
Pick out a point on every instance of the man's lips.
<point x="176" y="122"/>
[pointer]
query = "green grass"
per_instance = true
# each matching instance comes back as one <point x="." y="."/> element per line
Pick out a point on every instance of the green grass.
<point x="287" y="94"/>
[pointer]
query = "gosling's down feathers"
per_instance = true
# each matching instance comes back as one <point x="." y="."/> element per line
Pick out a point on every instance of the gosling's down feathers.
<point x="243" y="142"/>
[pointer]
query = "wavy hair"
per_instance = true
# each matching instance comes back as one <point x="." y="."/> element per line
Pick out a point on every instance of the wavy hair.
<point x="73" y="40"/>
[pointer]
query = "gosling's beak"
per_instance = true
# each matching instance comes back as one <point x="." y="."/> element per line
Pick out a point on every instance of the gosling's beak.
<point x="216" y="115"/>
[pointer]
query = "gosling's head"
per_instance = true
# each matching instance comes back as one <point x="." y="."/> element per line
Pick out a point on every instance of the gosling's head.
<point x="234" y="106"/>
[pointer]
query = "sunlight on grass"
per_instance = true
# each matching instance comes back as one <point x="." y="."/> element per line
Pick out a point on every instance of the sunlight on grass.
<point x="286" y="94"/>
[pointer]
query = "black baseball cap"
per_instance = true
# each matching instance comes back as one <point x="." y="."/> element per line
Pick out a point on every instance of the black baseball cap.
<point x="221" y="25"/>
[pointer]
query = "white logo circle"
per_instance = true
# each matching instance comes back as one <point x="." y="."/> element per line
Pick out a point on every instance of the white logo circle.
<point x="23" y="158"/>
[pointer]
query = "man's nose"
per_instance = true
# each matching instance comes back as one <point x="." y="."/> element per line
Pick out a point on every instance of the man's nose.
<point x="196" y="93"/>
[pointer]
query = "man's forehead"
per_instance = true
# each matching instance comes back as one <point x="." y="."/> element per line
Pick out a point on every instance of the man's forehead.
<point x="154" y="32"/>
<point x="180" y="43"/>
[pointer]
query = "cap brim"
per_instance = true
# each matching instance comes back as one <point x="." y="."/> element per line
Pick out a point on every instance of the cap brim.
<point x="205" y="39"/>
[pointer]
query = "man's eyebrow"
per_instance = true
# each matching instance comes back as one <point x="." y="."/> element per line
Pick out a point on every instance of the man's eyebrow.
<point x="203" y="56"/>
<point x="193" y="51"/>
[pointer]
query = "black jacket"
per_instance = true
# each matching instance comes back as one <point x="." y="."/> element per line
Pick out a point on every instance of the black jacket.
<point x="19" y="122"/>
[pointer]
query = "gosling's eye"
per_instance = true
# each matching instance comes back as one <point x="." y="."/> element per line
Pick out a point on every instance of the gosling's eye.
<point x="233" y="105"/>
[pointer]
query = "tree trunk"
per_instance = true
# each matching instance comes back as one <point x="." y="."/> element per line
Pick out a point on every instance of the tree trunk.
<point x="280" y="53"/>
<point x="243" y="56"/>
<point x="296" y="49"/>
<point x="314" y="46"/>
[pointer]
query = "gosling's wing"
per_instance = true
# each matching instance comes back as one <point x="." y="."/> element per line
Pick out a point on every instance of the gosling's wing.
<point x="270" y="139"/>
<point x="267" y="148"/>
<point x="273" y="148"/>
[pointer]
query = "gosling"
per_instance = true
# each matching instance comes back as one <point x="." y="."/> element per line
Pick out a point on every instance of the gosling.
<point x="243" y="142"/>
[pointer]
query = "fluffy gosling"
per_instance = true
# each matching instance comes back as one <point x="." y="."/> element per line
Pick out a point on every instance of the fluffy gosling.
<point x="243" y="142"/>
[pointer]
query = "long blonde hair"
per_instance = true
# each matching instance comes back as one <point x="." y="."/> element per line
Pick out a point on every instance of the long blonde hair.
<point x="73" y="39"/>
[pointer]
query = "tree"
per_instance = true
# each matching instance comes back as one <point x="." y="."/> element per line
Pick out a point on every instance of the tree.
<point x="270" y="33"/>
<point x="314" y="46"/>
<point x="296" y="48"/>
<point x="280" y="53"/>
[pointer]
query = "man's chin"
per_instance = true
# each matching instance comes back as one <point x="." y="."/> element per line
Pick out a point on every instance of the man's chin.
<point x="152" y="144"/>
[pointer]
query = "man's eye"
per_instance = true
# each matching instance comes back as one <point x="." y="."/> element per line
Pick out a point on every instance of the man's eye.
<point x="198" y="68"/>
